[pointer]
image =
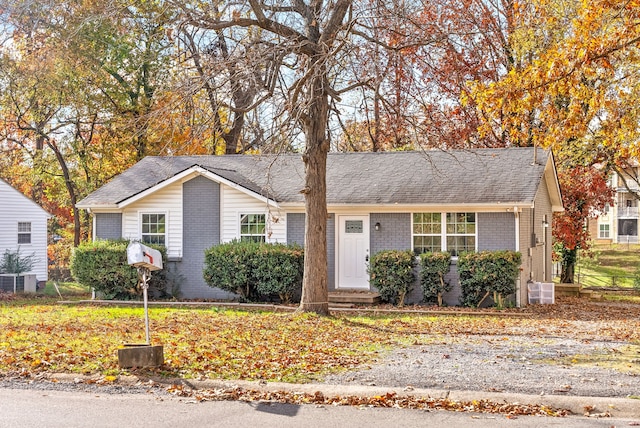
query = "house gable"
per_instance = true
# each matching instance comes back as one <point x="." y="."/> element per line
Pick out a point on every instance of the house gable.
<point x="189" y="174"/>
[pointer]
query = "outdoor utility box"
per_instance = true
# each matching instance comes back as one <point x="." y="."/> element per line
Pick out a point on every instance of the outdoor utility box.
<point x="25" y="283"/>
<point x="30" y="283"/>
<point x="140" y="356"/>
<point x="541" y="292"/>
<point x="139" y="255"/>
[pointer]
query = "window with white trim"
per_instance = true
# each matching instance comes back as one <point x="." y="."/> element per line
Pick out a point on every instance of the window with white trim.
<point x="603" y="231"/>
<point x="154" y="229"/>
<point x="427" y="232"/>
<point x="253" y="227"/>
<point x="452" y="232"/>
<point x="461" y="232"/>
<point x="24" y="232"/>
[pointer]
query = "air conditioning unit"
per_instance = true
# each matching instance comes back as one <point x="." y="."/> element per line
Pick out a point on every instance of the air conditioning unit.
<point x="30" y="283"/>
<point x="25" y="283"/>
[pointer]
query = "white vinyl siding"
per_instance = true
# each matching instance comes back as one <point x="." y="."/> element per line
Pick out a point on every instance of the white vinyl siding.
<point x="17" y="208"/>
<point x="167" y="201"/>
<point x="234" y="203"/>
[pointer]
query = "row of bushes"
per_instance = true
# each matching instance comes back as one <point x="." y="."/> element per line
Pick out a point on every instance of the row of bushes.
<point x="481" y="274"/>
<point x="258" y="271"/>
<point x="392" y="272"/>
<point x="252" y="270"/>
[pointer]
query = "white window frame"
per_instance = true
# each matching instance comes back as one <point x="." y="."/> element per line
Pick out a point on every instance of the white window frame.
<point x="443" y="230"/>
<point x="166" y="227"/>
<point x="602" y="235"/>
<point x="24" y="232"/>
<point x="426" y="234"/>
<point x="247" y="236"/>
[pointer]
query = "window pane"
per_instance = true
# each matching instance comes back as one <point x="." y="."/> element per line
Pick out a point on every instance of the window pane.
<point x="427" y="229"/>
<point x="252" y="227"/>
<point x="153" y="229"/>
<point x="24" y="238"/>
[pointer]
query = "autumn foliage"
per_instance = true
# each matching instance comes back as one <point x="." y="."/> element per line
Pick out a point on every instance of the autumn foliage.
<point x="585" y="194"/>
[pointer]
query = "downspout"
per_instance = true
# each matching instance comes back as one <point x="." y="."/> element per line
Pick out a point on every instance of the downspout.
<point x="545" y="229"/>
<point x="93" y="239"/>
<point x="516" y="215"/>
<point x="93" y="225"/>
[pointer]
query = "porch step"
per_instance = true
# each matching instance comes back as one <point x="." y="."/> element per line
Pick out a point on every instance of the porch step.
<point x="354" y="296"/>
<point x="590" y="294"/>
<point x="567" y="289"/>
<point x="577" y="291"/>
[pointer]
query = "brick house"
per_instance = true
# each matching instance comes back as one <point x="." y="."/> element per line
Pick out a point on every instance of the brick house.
<point x="468" y="200"/>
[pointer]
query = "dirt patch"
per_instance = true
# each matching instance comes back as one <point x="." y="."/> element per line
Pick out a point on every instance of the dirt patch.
<point x="514" y="364"/>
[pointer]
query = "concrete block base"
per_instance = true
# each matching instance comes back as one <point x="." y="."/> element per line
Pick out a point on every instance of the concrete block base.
<point x="134" y="355"/>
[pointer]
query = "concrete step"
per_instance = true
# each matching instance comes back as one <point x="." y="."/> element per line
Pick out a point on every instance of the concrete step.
<point x="354" y="296"/>
<point x="568" y="289"/>
<point x="590" y="294"/>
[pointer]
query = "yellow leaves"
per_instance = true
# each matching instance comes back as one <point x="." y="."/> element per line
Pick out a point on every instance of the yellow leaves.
<point x="266" y="346"/>
<point x="388" y="400"/>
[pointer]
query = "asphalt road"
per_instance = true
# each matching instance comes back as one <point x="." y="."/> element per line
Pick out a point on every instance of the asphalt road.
<point x="24" y="408"/>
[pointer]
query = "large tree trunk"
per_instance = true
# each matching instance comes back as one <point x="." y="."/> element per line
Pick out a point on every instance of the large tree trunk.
<point x="315" y="281"/>
<point x="568" y="263"/>
<point x="71" y="190"/>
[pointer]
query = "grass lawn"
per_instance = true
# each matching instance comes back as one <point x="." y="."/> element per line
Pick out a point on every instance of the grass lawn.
<point x="42" y="336"/>
<point x="68" y="290"/>
<point x="611" y="265"/>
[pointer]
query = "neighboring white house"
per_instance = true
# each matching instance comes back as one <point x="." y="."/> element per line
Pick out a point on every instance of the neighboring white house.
<point x="23" y="225"/>
<point x="619" y="222"/>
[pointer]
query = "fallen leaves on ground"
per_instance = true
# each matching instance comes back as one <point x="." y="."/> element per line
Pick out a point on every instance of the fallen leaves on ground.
<point x="389" y="400"/>
<point x="229" y="344"/>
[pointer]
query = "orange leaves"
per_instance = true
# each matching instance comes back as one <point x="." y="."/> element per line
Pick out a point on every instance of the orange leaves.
<point x="572" y="65"/>
<point x="388" y="400"/>
<point x="205" y="344"/>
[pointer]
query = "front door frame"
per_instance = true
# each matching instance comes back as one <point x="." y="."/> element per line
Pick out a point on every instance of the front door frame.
<point x="343" y="283"/>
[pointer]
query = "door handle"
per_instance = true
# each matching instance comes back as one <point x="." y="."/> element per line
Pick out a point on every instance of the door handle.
<point x="366" y="259"/>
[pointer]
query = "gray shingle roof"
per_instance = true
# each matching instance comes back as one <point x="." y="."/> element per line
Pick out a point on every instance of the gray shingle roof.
<point x="481" y="176"/>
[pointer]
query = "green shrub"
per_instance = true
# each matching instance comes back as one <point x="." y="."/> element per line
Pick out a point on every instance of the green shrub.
<point x="392" y="273"/>
<point x="488" y="272"/>
<point x="102" y="265"/>
<point x="433" y="268"/>
<point x="228" y="267"/>
<point x="254" y="270"/>
<point x="13" y="262"/>
<point x="278" y="270"/>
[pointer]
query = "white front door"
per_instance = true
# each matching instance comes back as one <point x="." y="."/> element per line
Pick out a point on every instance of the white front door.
<point x="353" y="251"/>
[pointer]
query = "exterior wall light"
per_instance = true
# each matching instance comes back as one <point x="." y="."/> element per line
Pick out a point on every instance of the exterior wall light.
<point x="377" y="226"/>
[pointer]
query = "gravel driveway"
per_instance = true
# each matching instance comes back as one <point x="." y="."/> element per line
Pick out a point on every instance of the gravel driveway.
<point x="513" y="364"/>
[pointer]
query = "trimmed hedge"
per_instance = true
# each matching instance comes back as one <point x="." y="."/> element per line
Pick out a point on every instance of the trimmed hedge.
<point x="255" y="270"/>
<point x="102" y="265"/>
<point x="488" y="272"/>
<point x="392" y="273"/>
<point x="433" y="268"/>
